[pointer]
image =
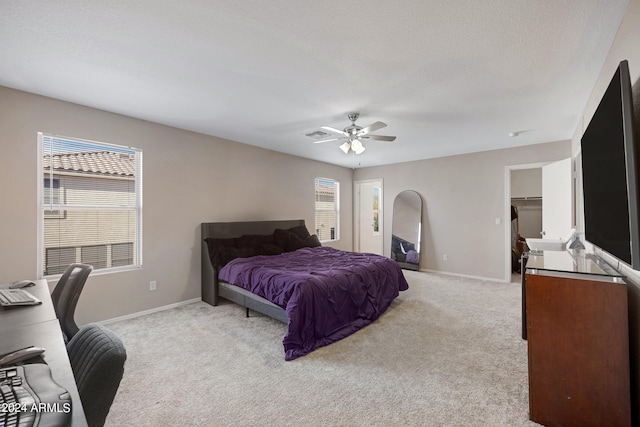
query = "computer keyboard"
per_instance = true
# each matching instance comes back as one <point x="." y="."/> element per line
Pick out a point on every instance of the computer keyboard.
<point x="30" y="397"/>
<point x="12" y="297"/>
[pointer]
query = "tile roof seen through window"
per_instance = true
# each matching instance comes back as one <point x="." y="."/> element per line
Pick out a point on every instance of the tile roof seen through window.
<point x="96" y="162"/>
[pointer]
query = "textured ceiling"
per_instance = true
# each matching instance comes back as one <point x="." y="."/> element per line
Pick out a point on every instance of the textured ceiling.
<point x="448" y="77"/>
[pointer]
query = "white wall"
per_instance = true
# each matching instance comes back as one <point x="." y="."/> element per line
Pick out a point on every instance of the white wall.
<point x="188" y="178"/>
<point x="463" y="196"/>
<point x="526" y="182"/>
<point x="625" y="46"/>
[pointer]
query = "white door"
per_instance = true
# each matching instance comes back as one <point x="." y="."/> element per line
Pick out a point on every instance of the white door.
<point x="557" y="199"/>
<point x="369" y="217"/>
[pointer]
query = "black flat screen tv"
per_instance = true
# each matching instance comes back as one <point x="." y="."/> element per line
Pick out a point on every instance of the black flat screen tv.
<point x="609" y="173"/>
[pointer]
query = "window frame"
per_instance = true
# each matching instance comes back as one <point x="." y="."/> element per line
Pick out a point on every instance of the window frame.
<point x="335" y="209"/>
<point x="62" y="207"/>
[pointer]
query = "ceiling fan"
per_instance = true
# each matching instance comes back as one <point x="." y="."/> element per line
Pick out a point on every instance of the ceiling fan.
<point x="354" y="134"/>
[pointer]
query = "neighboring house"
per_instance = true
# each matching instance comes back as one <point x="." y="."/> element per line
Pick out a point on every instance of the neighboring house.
<point x="88" y="185"/>
<point x="326" y="209"/>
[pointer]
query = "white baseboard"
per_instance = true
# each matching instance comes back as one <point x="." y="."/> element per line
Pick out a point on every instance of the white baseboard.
<point x="468" y="276"/>
<point x="152" y="310"/>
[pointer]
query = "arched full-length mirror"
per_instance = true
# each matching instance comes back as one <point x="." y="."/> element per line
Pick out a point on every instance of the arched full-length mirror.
<point x="406" y="229"/>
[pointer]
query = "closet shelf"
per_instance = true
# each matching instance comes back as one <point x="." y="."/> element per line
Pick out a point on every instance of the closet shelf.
<point x="527" y="198"/>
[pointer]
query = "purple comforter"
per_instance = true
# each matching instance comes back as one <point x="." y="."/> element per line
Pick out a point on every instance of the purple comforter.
<point x="327" y="293"/>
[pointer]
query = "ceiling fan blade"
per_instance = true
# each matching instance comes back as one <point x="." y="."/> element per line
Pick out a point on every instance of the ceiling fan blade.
<point x="371" y="128"/>
<point x="379" y="137"/>
<point x="334" y="130"/>
<point x="326" y="140"/>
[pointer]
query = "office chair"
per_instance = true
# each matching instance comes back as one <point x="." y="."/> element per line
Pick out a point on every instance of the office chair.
<point x="97" y="357"/>
<point x="66" y="294"/>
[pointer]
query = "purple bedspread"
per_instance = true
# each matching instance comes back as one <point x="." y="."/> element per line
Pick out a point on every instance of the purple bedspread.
<point x="327" y="293"/>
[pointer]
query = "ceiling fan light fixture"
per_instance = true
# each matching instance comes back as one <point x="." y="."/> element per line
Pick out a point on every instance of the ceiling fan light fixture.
<point x="357" y="146"/>
<point x="352" y="135"/>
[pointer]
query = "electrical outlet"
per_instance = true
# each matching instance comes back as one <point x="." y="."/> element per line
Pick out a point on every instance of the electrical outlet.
<point x="152" y="285"/>
<point x="445" y="257"/>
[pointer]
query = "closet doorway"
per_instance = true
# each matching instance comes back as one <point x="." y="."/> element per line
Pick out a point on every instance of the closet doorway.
<point x="542" y="195"/>
<point x="526" y="199"/>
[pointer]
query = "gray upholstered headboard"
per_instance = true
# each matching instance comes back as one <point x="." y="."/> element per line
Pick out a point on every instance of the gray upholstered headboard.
<point x="226" y="230"/>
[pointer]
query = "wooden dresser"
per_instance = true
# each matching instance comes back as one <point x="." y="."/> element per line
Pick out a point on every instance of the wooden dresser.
<point x="578" y="341"/>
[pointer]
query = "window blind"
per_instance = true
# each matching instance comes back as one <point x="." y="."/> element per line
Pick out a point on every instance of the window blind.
<point x="327" y="209"/>
<point x="90" y="206"/>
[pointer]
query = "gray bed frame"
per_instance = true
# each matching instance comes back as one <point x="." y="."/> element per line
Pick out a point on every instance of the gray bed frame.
<point x="213" y="289"/>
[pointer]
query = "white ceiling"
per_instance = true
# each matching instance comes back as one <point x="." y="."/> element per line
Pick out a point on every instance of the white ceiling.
<point x="448" y="77"/>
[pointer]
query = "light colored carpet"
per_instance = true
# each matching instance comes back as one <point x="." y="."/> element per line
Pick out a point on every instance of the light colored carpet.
<point x="448" y="352"/>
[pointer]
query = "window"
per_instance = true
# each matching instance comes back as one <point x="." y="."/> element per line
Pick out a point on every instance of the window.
<point x="376" y="211"/>
<point x="51" y="196"/>
<point x="327" y="209"/>
<point x="90" y="204"/>
<point x="58" y="259"/>
<point x="95" y="255"/>
<point x="121" y="254"/>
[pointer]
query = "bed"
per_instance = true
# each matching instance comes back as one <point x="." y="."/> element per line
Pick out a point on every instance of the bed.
<point x="323" y="294"/>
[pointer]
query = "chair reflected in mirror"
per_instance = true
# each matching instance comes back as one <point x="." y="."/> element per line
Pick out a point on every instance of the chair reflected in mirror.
<point x="406" y="230"/>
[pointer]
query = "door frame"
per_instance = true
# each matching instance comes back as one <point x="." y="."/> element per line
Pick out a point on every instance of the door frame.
<point x="507" y="211"/>
<point x="356" y="211"/>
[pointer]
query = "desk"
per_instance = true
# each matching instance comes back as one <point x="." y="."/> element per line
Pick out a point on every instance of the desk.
<point x="13" y="317"/>
<point x="38" y="326"/>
